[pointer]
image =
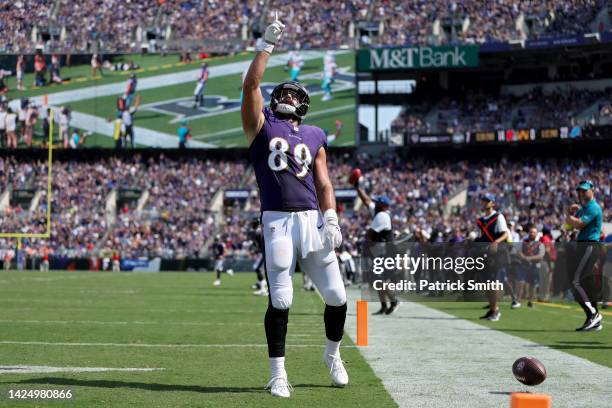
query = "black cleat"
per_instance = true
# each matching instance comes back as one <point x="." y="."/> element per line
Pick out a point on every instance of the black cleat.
<point x="381" y="311"/>
<point x="487" y="315"/>
<point x="495" y="316"/>
<point x="530" y="305"/>
<point x="393" y="308"/>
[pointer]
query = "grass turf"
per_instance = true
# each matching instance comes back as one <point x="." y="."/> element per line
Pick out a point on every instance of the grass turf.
<point x="548" y="324"/>
<point x="169" y="309"/>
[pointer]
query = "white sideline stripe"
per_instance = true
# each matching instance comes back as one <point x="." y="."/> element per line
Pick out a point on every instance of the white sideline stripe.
<point x="427" y="358"/>
<point x="127" y="323"/>
<point x="142" y="135"/>
<point x="146" y="345"/>
<point x="26" y="369"/>
<point x="239" y="129"/>
<point x="72" y="308"/>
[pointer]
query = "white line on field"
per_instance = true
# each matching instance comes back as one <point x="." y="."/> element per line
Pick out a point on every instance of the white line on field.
<point x="147" y="345"/>
<point x="72" y="308"/>
<point x="26" y="369"/>
<point x="127" y="323"/>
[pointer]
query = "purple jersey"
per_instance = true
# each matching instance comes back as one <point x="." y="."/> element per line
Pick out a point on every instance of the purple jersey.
<point x="283" y="157"/>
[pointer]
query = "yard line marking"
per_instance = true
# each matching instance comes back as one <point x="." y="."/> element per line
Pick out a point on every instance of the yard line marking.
<point x="148" y="345"/>
<point x="28" y="369"/>
<point x="603" y="313"/>
<point x="144" y="136"/>
<point x="152" y="323"/>
<point x="554" y="305"/>
<point x="576" y="309"/>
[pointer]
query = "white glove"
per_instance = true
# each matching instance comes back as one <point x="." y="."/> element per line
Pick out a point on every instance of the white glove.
<point x="333" y="235"/>
<point x="272" y="36"/>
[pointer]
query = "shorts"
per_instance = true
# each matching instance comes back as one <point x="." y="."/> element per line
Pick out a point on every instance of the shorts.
<point x="528" y="273"/>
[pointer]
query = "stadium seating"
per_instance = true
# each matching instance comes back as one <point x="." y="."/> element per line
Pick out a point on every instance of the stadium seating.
<point x="166" y="226"/>
<point x="476" y="110"/>
<point x="176" y="220"/>
<point x="119" y="26"/>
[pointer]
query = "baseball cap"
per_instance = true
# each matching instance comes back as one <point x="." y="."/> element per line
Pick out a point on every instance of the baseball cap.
<point x="487" y="197"/>
<point x="585" y="185"/>
<point x="382" y="199"/>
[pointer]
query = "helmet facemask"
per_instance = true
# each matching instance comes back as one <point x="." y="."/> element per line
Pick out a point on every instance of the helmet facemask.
<point x="290" y="98"/>
<point x="288" y="102"/>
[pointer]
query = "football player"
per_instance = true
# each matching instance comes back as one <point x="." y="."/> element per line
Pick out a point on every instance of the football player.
<point x="256" y="238"/>
<point x="198" y="93"/>
<point x="329" y="72"/>
<point x="296" y="63"/>
<point x="299" y="220"/>
<point x="219" y="253"/>
<point x="130" y="92"/>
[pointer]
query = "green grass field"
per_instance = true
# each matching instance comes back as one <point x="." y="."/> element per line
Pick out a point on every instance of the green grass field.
<point x="144" y="319"/>
<point x="208" y="341"/>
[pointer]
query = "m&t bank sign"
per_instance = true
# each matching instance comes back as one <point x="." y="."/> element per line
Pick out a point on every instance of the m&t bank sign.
<point x="417" y="58"/>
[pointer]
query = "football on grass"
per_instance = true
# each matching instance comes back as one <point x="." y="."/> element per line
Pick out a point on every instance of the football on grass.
<point x="529" y="370"/>
<point x="354" y="177"/>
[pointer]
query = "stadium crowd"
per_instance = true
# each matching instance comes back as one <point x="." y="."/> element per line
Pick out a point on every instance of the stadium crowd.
<point x="175" y="218"/>
<point x="529" y="192"/>
<point x="477" y="110"/>
<point x="17" y="19"/>
<point x="112" y="24"/>
<point x="109" y="22"/>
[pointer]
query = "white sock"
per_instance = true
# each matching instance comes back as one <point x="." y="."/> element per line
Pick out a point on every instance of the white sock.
<point x="332" y="348"/>
<point x="277" y="366"/>
<point x="263" y="284"/>
<point x="591" y="308"/>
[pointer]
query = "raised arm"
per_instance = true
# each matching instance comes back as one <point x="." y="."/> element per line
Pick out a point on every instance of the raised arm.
<point x="252" y="101"/>
<point x="363" y="196"/>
